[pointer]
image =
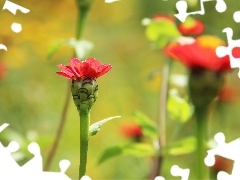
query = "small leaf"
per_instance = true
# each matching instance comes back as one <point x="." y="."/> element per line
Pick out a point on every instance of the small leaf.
<point x="178" y="108"/>
<point x="94" y="128"/>
<point x="54" y="47"/>
<point x="161" y="32"/>
<point x="109" y="153"/>
<point x="184" y="146"/>
<point x="83" y="48"/>
<point x="139" y="150"/>
<point x="148" y="126"/>
<point x="136" y="150"/>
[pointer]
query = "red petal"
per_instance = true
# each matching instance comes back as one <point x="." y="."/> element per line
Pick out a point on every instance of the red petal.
<point x="104" y="69"/>
<point x="75" y="64"/>
<point x="64" y="75"/>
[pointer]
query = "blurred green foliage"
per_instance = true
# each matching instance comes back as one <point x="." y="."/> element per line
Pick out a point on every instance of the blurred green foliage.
<point x="32" y="95"/>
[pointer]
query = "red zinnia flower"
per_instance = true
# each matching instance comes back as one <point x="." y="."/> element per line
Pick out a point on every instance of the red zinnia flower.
<point x="191" y="27"/>
<point x="131" y="130"/>
<point x="91" y="68"/>
<point x="200" y="54"/>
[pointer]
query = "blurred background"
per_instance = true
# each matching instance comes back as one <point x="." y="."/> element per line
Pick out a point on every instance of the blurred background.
<point x="32" y="95"/>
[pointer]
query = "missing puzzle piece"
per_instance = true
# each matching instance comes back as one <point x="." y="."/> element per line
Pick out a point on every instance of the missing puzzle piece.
<point x="33" y="169"/>
<point x="177" y="171"/>
<point x="228" y="150"/>
<point x="182" y="6"/>
<point x="222" y="51"/>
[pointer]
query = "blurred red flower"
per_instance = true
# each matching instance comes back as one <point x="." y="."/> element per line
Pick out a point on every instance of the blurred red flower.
<point x="189" y="28"/>
<point x="159" y="17"/>
<point x="227" y="94"/>
<point x="193" y="27"/>
<point x="199" y="54"/>
<point x="91" y="68"/>
<point x="3" y="71"/>
<point x="132" y="130"/>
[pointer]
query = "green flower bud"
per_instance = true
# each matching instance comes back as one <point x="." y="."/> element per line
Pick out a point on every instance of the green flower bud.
<point x="84" y="92"/>
<point x="204" y="86"/>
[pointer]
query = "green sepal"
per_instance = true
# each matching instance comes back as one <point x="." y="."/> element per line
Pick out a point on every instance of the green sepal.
<point x="84" y="93"/>
<point x="149" y="127"/>
<point x="135" y="149"/>
<point x="94" y="128"/>
<point x="178" y="108"/>
<point x="181" y="147"/>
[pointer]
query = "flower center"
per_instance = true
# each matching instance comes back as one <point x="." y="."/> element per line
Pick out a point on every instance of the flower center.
<point x="208" y="41"/>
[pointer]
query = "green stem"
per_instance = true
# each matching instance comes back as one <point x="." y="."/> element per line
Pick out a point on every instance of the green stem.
<point x="163" y="102"/>
<point x="84" y="115"/>
<point x="158" y="160"/>
<point x="201" y="133"/>
<point x="81" y="21"/>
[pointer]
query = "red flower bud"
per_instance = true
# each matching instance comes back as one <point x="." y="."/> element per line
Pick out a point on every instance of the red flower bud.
<point x="132" y="130"/>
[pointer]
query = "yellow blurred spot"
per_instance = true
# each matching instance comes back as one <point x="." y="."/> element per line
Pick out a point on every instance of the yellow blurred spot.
<point x="209" y="41"/>
<point x="15" y="58"/>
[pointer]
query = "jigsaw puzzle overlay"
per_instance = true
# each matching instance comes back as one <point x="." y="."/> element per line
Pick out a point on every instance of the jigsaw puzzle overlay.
<point x="16" y="27"/>
<point x="33" y="169"/>
<point x="221" y="7"/>
<point x="182" y="6"/>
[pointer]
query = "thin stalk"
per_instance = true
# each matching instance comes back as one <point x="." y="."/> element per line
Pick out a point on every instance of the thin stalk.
<point x="59" y="130"/>
<point x="201" y="130"/>
<point x="163" y="103"/>
<point x="84" y="138"/>
<point x="81" y="21"/>
<point x="158" y="160"/>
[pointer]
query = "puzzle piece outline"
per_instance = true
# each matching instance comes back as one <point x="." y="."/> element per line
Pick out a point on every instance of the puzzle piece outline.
<point x="13" y="8"/>
<point x="182" y="6"/>
<point x="33" y="169"/>
<point x="227" y="150"/>
<point x="222" y="51"/>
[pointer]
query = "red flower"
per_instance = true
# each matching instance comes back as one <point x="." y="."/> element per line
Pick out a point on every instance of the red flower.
<point x="200" y="54"/>
<point x="91" y="68"/>
<point x="131" y="130"/>
<point x="188" y="28"/>
<point x="191" y="27"/>
<point x="3" y="71"/>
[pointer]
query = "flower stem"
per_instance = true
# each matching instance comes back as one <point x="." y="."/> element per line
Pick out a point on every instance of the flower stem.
<point x="81" y="21"/>
<point x="201" y="130"/>
<point x="163" y="102"/>
<point x="59" y="130"/>
<point x="84" y="115"/>
<point x="158" y="160"/>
